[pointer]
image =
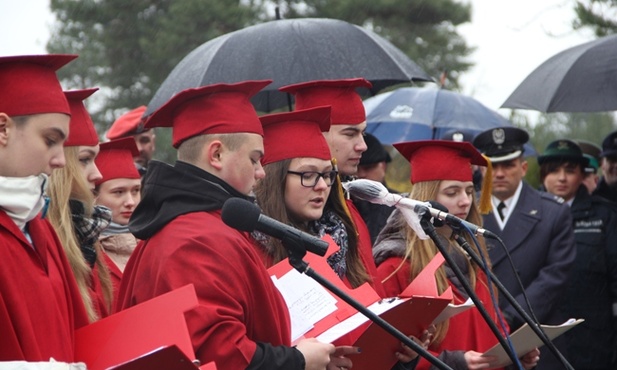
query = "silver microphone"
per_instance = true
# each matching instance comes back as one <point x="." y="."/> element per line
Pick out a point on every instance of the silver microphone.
<point x="376" y="192"/>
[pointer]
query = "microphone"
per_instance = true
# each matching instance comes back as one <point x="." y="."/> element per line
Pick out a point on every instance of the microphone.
<point x="376" y="192"/>
<point x="246" y="216"/>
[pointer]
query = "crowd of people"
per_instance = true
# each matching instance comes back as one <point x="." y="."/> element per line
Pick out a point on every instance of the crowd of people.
<point x="91" y="228"/>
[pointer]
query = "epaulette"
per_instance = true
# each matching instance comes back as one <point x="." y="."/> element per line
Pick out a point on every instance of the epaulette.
<point x="553" y="197"/>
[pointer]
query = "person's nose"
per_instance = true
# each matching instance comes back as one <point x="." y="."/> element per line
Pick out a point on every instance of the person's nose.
<point x="498" y="172"/>
<point x="58" y="160"/>
<point x="259" y="172"/>
<point x="130" y="200"/>
<point x="464" y="201"/>
<point x="321" y="184"/>
<point x="95" y="174"/>
<point x="361" y="145"/>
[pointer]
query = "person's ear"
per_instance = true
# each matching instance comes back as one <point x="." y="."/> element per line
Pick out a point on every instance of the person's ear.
<point x="524" y="165"/>
<point x="5" y="128"/>
<point x="213" y="154"/>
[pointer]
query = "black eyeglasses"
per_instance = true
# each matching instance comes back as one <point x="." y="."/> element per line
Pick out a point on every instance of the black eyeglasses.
<point x="309" y="179"/>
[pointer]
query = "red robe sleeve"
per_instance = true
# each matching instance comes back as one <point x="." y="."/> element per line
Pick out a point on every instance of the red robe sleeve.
<point x="40" y="305"/>
<point x="238" y="303"/>
<point x="366" y="248"/>
<point x="467" y="331"/>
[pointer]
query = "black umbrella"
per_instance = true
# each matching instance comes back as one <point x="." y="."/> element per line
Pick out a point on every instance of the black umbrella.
<point x="580" y="79"/>
<point x="291" y="51"/>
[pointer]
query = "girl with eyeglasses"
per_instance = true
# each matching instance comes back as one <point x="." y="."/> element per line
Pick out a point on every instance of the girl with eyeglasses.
<point x="302" y="189"/>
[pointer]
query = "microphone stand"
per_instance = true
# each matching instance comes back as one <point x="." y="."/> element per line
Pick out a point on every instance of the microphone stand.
<point x="297" y="252"/>
<point x="430" y="230"/>
<point x="532" y="324"/>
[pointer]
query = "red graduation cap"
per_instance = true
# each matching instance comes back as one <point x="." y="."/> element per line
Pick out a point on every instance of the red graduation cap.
<point x="341" y="95"/>
<point x="115" y="160"/>
<point x="82" y="131"/>
<point x="296" y="134"/>
<point x="127" y="124"/>
<point x="440" y="159"/>
<point x="213" y="109"/>
<point x="30" y="85"/>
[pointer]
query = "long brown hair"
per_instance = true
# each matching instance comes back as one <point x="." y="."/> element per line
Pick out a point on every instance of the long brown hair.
<point x="420" y="252"/>
<point x="68" y="183"/>
<point x="270" y="194"/>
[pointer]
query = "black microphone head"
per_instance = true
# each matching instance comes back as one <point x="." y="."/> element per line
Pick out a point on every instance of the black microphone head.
<point x="438" y="206"/>
<point x="240" y="214"/>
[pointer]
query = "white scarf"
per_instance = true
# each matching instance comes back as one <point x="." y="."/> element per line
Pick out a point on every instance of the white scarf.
<point x="22" y="198"/>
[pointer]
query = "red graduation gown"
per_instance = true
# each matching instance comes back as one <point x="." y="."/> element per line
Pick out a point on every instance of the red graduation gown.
<point x="467" y="331"/>
<point x="116" y="276"/>
<point x="40" y="305"/>
<point x="238" y="303"/>
<point x="97" y="295"/>
<point x="366" y="249"/>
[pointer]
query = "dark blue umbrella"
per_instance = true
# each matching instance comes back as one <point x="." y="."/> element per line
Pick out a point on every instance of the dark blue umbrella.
<point x="412" y="113"/>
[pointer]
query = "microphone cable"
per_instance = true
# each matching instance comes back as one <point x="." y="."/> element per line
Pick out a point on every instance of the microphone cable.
<point x="483" y="265"/>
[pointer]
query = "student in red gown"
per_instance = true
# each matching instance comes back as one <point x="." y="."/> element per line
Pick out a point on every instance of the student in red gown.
<point x="241" y="321"/>
<point x="40" y="305"/>
<point x="346" y="142"/>
<point x="297" y="191"/>
<point x="119" y="189"/>
<point x="73" y="213"/>
<point x="441" y="171"/>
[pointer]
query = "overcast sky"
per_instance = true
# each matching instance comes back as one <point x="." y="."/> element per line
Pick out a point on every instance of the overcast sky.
<point x="512" y="39"/>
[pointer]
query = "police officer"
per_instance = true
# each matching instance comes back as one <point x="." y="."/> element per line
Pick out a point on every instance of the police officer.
<point x="591" y="291"/>
<point x="536" y="228"/>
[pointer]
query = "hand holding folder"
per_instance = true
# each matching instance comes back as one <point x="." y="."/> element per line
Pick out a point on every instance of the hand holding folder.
<point x="411" y="313"/>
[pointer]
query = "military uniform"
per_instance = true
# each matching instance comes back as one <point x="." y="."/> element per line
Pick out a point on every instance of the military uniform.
<point x="592" y="286"/>
<point x="591" y="290"/>
<point x="539" y="240"/>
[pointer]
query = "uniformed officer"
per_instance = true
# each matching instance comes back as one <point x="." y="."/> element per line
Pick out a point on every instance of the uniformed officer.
<point x="591" y="151"/>
<point x="536" y="228"/>
<point x="591" y="291"/>
<point x="607" y="187"/>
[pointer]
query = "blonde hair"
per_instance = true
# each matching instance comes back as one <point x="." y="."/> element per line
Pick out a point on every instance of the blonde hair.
<point x="190" y="150"/>
<point x="68" y="183"/>
<point x="420" y="252"/>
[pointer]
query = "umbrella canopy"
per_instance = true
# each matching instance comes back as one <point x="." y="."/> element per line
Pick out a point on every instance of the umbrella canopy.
<point x="580" y="79"/>
<point x="291" y="51"/>
<point x="411" y="113"/>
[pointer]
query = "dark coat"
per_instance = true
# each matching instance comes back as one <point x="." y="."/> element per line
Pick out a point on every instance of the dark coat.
<point x="540" y="241"/>
<point x="606" y="191"/>
<point x="591" y="291"/>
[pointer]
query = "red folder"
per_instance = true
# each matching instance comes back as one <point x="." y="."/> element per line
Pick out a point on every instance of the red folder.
<point x="143" y="333"/>
<point x="169" y="357"/>
<point x="421" y="306"/>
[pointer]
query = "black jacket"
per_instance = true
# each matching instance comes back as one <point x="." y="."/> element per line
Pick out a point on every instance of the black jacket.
<point x="606" y="191"/>
<point x="591" y="291"/>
